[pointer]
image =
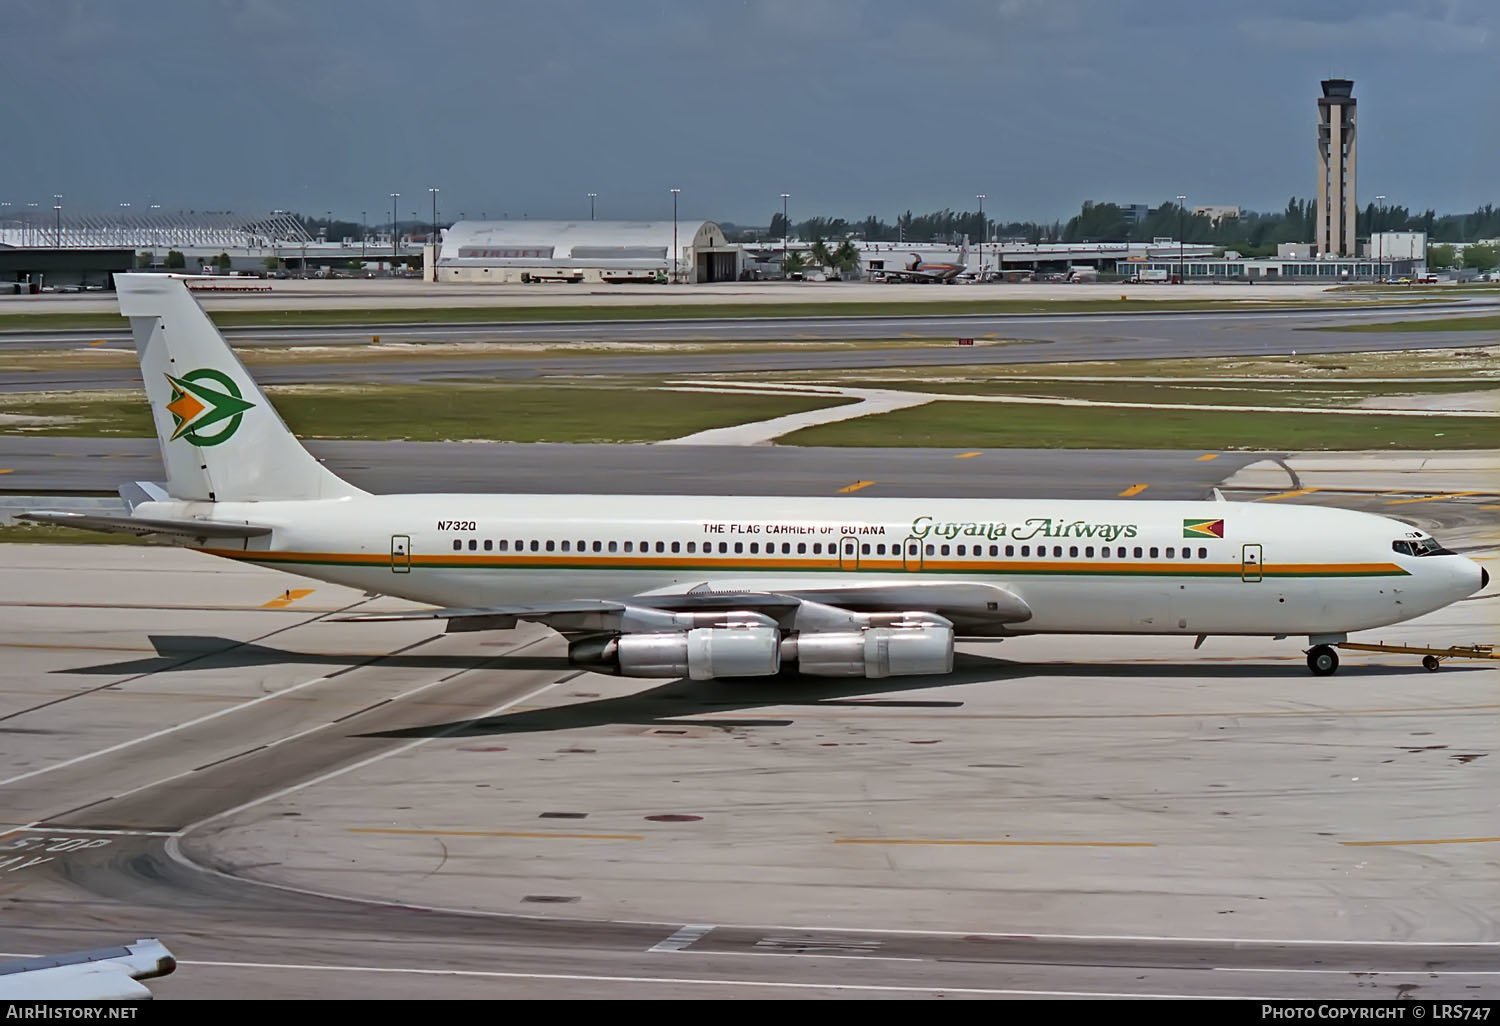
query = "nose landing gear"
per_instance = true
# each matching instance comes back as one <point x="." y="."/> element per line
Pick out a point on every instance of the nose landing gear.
<point x="1323" y="660"/>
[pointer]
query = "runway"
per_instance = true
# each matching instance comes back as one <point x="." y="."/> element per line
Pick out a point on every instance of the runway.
<point x="1026" y="339"/>
<point x="197" y="751"/>
<point x="50" y="466"/>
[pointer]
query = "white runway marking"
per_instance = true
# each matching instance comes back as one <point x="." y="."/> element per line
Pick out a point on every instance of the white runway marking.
<point x="682" y="938"/>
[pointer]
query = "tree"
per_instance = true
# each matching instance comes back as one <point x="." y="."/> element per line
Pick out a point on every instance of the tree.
<point x="821" y="255"/>
<point x="794" y="264"/>
<point x="145" y="258"/>
<point x="1480" y="257"/>
<point x="1440" y="256"/>
<point x="222" y="261"/>
<point x="778" y="226"/>
<point x="175" y="259"/>
<point x="272" y="263"/>
<point x="846" y="257"/>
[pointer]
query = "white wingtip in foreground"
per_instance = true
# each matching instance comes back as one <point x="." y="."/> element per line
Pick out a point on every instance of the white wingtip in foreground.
<point x="733" y="586"/>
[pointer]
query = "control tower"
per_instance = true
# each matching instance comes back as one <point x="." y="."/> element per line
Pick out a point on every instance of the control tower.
<point x="1337" y="206"/>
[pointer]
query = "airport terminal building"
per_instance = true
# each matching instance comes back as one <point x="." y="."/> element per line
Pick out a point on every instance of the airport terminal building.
<point x="585" y="251"/>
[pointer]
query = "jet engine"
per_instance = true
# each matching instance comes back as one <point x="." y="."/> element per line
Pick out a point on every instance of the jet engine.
<point x="875" y="652"/>
<point x="701" y="653"/>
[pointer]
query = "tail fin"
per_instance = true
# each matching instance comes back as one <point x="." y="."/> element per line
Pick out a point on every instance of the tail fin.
<point x="220" y="439"/>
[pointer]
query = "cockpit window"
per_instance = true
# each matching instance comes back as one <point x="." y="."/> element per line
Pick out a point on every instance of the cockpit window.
<point x="1420" y="547"/>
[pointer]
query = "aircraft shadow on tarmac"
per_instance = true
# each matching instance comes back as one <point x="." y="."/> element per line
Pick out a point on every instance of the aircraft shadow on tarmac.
<point x="667" y="704"/>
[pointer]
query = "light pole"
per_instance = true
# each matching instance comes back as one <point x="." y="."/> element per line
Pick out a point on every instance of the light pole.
<point x="591" y="205"/>
<point x="1181" y="220"/>
<point x="1380" y="205"/>
<point x="982" y="233"/>
<point x="394" y="197"/>
<point x="57" y="211"/>
<point x="433" y="239"/>
<point x="785" y="230"/>
<point x="363" y="233"/>
<point x="674" y="235"/>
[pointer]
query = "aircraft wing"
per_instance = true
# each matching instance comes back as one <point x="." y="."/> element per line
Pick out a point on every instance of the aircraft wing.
<point x="974" y="608"/>
<point x="175" y="528"/>
<point x="103" y="974"/>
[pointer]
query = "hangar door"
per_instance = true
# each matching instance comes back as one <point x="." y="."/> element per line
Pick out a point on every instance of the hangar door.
<point x="717" y="266"/>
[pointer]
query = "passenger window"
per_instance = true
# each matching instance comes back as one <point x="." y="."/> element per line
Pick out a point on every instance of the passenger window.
<point x="645" y="546"/>
<point x="676" y="546"/>
<point x="551" y="545"/>
<point x="458" y="545"/>
<point x="1202" y="553"/>
<point x="1137" y="552"/>
<point x="692" y="546"/>
<point x="1171" y="552"/>
<point x="1088" y="553"/>
<point x="565" y="546"/>
<point x="1057" y="550"/>
<point x="786" y="548"/>
<point x="944" y="550"/>
<point x="1153" y="552"/>
<point x="473" y="544"/>
<point x="994" y="550"/>
<point x="630" y="546"/>
<point x="598" y="546"/>
<point x="583" y="546"/>
<point x="1010" y="550"/>
<point x="931" y="550"/>
<point x="1025" y="551"/>
<point x="1073" y="551"/>
<point x="801" y="548"/>
<point x="962" y="551"/>
<point x="739" y="547"/>
<point x="614" y="546"/>
<point x="880" y="550"/>
<point x="661" y="546"/>
<point x="503" y="545"/>
<point x="864" y="550"/>
<point x="817" y="548"/>
<point x="723" y="547"/>
<point x="488" y="545"/>
<point x="754" y="548"/>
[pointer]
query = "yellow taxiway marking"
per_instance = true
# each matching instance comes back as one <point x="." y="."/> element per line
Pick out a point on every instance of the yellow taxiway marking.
<point x="287" y="598"/>
<point x="1431" y="498"/>
<point x="1286" y="495"/>
<point x="1133" y="490"/>
<point x="499" y="833"/>
<point x="1481" y="507"/>
<point x="856" y="486"/>
<point x="1433" y="840"/>
<point x="1208" y="456"/>
<point x="967" y="455"/>
<point x="998" y="844"/>
<point x="100" y="342"/>
<point x="8" y="470"/>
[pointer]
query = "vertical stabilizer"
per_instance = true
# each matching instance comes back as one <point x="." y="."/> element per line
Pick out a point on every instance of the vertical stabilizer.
<point x="221" y="441"/>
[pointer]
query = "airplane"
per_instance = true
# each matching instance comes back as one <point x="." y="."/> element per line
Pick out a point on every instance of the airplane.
<point x="102" y="974"/>
<point x="710" y="587"/>
<point x="920" y="271"/>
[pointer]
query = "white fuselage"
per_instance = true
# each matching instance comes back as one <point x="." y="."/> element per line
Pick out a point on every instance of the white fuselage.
<point x="1081" y="567"/>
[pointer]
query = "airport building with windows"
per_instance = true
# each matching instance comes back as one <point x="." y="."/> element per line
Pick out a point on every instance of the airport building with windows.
<point x="584" y="251"/>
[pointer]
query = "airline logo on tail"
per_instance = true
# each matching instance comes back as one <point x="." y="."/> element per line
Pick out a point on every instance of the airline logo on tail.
<point x="1203" y="528"/>
<point x="205" y="399"/>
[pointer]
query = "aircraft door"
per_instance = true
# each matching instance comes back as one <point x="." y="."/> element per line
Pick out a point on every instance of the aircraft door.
<point x="911" y="555"/>
<point x="1250" y="563"/>
<point x="848" y="553"/>
<point x="400" y="554"/>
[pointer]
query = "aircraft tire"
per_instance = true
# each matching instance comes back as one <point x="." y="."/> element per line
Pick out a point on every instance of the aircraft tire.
<point x="1431" y="664"/>
<point x="1322" y="660"/>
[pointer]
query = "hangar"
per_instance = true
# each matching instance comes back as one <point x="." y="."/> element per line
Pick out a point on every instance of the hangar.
<point x="584" y="251"/>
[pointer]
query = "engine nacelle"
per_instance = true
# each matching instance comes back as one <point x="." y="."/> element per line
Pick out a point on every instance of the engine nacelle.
<point x="877" y="652"/>
<point x="702" y="653"/>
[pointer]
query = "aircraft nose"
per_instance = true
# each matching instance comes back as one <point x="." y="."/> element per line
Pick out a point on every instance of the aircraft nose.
<point x="1484" y="578"/>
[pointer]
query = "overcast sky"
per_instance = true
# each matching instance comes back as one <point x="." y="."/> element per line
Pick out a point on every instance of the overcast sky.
<point x="852" y="106"/>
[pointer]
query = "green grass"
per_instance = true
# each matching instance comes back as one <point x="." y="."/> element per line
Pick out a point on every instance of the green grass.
<point x="974" y="425"/>
<point x="437" y="413"/>
<point x="1490" y="322"/>
<point x="16" y="321"/>
<point x="48" y="535"/>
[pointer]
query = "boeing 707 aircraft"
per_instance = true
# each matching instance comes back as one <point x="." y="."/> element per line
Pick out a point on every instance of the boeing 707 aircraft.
<point x="719" y="586"/>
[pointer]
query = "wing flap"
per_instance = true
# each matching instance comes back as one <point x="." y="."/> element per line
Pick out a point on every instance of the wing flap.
<point x="177" y="528"/>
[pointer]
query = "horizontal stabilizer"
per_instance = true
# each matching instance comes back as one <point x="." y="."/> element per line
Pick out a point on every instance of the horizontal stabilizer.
<point x="145" y="525"/>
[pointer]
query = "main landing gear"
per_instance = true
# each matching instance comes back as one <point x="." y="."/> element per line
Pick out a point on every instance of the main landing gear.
<point x="1323" y="660"/>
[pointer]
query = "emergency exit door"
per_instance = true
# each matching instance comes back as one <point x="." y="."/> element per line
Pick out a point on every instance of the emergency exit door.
<point x="400" y="554"/>
<point x="1250" y="564"/>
